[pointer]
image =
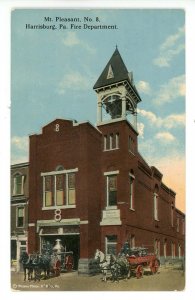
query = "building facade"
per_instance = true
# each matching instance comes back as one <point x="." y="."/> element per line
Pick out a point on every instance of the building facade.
<point x="19" y="211"/>
<point x="90" y="187"/>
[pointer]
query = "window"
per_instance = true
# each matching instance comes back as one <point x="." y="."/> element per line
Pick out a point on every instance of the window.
<point x="105" y="142"/>
<point x="173" y="249"/>
<point x="156" y="207"/>
<point x="59" y="188"/>
<point x="20" y="217"/>
<point x="177" y="224"/>
<point x="165" y="248"/>
<point x="48" y="190"/>
<point x="71" y="189"/>
<point x="111" y="141"/>
<point x="157" y="247"/>
<point x="117" y="140"/>
<point x="132" y="241"/>
<point x="110" y="73"/>
<point x="183" y="226"/>
<point x="112" y="190"/>
<point x="131" y="144"/>
<point x="172" y="215"/>
<point x="18" y="185"/>
<point x="131" y="196"/>
<point x="179" y="251"/>
<point x="111" y="243"/>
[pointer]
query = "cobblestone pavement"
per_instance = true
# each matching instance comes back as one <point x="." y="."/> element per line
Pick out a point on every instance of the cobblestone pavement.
<point x="167" y="279"/>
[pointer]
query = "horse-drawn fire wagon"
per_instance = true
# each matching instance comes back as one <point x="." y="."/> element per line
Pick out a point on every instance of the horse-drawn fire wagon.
<point x="50" y="261"/>
<point x="139" y="260"/>
<point x="65" y="261"/>
<point x="129" y="262"/>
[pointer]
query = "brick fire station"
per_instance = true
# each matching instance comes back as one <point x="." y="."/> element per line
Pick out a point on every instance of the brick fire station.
<point x="90" y="187"/>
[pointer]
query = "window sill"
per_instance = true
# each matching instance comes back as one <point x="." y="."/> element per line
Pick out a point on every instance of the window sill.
<point x="58" y="207"/>
<point x="106" y="150"/>
<point x="132" y="209"/>
<point x="16" y="195"/>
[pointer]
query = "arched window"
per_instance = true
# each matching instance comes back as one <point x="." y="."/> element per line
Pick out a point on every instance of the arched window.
<point x="131" y="190"/>
<point x="173" y="249"/>
<point x="156" y="203"/>
<point x="172" y="214"/>
<point x="178" y="223"/>
<point x="165" y="248"/>
<point x="59" y="168"/>
<point x="157" y="247"/>
<point x="132" y="240"/>
<point x="179" y="251"/>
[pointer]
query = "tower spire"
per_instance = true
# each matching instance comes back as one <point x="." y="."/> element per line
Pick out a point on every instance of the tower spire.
<point x="117" y="95"/>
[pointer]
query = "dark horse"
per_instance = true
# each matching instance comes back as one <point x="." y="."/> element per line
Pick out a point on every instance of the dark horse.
<point x="27" y="263"/>
<point x="41" y="263"/>
<point x="120" y="268"/>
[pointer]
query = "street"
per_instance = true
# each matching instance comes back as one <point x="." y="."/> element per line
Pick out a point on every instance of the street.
<point x="167" y="279"/>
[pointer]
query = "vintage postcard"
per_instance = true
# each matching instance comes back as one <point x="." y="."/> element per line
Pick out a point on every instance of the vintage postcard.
<point x="97" y="149"/>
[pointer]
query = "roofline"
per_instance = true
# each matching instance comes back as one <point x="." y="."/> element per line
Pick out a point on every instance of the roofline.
<point x="179" y="211"/>
<point x="119" y="83"/>
<point x="71" y="120"/>
<point x="144" y="159"/>
<point x="86" y="122"/>
<point x="26" y="164"/>
<point x="74" y="123"/>
<point x="173" y="193"/>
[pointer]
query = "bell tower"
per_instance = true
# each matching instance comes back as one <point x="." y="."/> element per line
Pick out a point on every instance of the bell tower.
<point x="116" y="93"/>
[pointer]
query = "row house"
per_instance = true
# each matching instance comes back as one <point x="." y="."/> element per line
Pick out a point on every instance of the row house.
<point x="19" y="211"/>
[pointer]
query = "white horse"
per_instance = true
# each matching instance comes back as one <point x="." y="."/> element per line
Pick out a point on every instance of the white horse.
<point x="105" y="262"/>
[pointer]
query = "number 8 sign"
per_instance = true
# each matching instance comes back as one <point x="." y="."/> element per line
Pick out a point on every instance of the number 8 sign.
<point x="57" y="215"/>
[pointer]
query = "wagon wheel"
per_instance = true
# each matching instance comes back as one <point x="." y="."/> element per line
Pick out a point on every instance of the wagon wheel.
<point x="57" y="268"/>
<point x="139" y="271"/>
<point x="69" y="263"/>
<point x="155" y="266"/>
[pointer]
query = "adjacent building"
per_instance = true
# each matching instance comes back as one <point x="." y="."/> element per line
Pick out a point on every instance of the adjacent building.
<point x="19" y="211"/>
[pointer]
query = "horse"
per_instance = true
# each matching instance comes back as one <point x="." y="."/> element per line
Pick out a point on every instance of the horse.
<point x="105" y="262"/>
<point x="41" y="263"/>
<point x="27" y="263"/>
<point x="120" y="268"/>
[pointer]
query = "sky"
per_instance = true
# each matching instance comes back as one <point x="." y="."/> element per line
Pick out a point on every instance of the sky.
<point x="53" y="73"/>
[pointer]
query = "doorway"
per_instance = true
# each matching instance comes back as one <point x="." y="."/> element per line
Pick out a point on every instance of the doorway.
<point x="69" y="242"/>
